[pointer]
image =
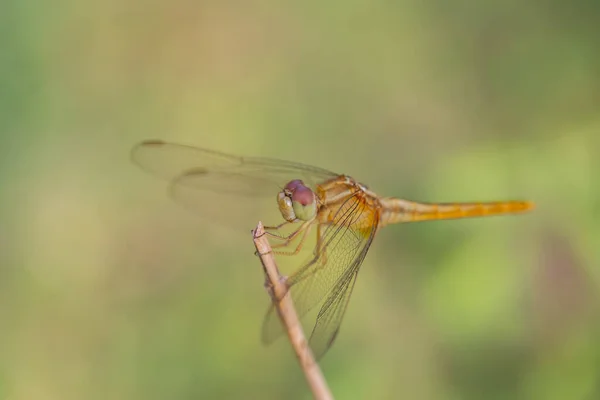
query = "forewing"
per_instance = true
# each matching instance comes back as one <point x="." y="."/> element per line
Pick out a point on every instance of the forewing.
<point x="205" y="169"/>
<point x="229" y="190"/>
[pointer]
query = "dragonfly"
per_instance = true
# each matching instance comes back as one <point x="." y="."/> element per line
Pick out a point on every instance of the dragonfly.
<point x="345" y="215"/>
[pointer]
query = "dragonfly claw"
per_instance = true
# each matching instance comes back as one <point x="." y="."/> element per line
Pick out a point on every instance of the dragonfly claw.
<point x="257" y="253"/>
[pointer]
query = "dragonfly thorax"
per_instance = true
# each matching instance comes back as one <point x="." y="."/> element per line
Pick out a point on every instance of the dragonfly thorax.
<point x="297" y="202"/>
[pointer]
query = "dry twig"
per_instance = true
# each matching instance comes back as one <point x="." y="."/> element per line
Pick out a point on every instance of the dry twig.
<point x="287" y="313"/>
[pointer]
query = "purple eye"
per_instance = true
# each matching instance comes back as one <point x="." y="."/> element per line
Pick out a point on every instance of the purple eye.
<point x="302" y="199"/>
<point x="293" y="185"/>
<point x="303" y="195"/>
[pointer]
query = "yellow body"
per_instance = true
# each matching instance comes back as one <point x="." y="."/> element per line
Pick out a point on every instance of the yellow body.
<point x="335" y="193"/>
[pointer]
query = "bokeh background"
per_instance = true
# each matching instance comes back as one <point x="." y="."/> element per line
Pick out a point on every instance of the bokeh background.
<point x="110" y="290"/>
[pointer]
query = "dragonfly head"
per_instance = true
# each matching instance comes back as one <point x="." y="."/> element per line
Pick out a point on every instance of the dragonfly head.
<point x="297" y="201"/>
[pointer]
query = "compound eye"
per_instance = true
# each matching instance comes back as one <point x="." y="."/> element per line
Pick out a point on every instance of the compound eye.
<point x="293" y="185"/>
<point x="304" y="203"/>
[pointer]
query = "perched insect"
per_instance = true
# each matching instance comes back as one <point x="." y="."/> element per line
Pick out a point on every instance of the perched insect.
<point x="345" y="214"/>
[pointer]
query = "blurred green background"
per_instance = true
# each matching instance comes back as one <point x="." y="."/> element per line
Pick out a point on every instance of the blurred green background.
<point x="109" y="290"/>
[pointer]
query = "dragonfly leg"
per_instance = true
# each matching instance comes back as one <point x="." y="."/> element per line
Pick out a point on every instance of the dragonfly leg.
<point x="300" y="244"/>
<point x="287" y="239"/>
<point x="303" y="228"/>
<point x="276" y="228"/>
<point x="320" y="253"/>
<point x="319" y="258"/>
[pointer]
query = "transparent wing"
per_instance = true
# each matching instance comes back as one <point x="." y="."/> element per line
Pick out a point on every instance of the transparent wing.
<point x="229" y="190"/>
<point x="205" y="169"/>
<point x="327" y="325"/>
<point x="330" y="273"/>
